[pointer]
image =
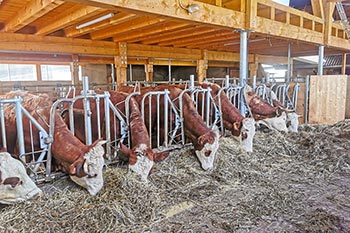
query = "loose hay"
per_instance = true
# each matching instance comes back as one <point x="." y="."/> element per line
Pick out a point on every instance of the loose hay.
<point x="291" y="182"/>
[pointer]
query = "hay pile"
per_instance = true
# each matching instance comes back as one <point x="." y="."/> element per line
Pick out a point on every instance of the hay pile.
<point x="295" y="182"/>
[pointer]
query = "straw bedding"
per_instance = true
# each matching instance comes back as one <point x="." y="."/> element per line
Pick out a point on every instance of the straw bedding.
<point x="294" y="182"/>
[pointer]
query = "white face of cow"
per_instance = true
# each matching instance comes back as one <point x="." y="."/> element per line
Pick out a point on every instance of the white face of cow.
<point x="15" y="184"/>
<point x="276" y="123"/>
<point x="247" y="134"/>
<point x="292" y="122"/>
<point x="93" y="166"/>
<point x="143" y="164"/>
<point x="207" y="161"/>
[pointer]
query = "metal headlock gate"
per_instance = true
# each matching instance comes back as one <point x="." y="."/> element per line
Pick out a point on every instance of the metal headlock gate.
<point x="111" y="134"/>
<point x="171" y="125"/>
<point x="37" y="162"/>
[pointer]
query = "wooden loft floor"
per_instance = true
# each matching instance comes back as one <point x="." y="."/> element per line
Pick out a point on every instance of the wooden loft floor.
<point x="163" y="29"/>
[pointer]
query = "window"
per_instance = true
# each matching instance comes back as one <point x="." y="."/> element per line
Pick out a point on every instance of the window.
<point x="55" y="72"/>
<point x="17" y="72"/>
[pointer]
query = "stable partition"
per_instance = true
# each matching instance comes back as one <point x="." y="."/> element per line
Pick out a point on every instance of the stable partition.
<point x="327" y="99"/>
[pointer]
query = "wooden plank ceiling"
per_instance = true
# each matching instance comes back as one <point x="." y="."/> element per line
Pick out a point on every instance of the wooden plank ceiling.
<point x="60" y="18"/>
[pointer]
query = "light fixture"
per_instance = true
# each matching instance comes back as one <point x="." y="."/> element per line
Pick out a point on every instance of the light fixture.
<point x="97" y="20"/>
<point x="190" y="8"/>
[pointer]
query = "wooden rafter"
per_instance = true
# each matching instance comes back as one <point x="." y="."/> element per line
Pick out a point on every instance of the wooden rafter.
<point x="69" y="19"/>
<point x="317" y="8"/>
<point x="178" y="34"/>
<point x="154" y="30"/>
<point x="117" y="19"/>
<point x="141" y="22"/>
<point x="29" y="13"/>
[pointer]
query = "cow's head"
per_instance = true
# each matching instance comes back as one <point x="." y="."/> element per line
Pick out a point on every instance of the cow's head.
<point x="276" y="123"/>
<point x="209" y="144"/>
<point x="15" y="184"/>
<point x="247" y="134"/>
<point x="88" y="173"/>
<point x="140" y="159"/>
<point x="292" y="121"/>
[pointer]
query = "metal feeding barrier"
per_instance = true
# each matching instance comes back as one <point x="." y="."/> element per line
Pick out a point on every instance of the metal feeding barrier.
<point x="36" y="161"/>
<point x="168" y="122"/>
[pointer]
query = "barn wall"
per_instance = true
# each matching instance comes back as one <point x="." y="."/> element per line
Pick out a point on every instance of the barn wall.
<point x="97" y="73"/>
<point x="327" y="98"/>
<point x="52" y="88"/>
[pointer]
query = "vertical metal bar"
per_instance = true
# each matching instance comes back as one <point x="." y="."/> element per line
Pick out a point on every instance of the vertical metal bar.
<point x="254" y="82"/>
<point x="289" y="64"/>
<point x="87" y="111"/>
<point x="208" y="105"/>
<point x="108" y="125"/>
<point x="71" y="118"/>
<point x="158" y="120"/>
<point x="130" y="72"/>
<point x="243" y="69"/>
<point x="320" y="59"/>
<point x="3" y="127"/>
<point x="98" y="116"/>
<point x="166" y="115"/>
<point x="113" y="77"/>
<point x="19" y="125"/>
<point x="150" y="118"/>
<point x="306" y="102"/>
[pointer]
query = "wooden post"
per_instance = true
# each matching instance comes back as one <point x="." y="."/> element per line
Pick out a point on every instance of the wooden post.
<point x="121" y="63"/>
<point x="343" y="66"/>
<point x="75" y="69"/>
<point x="329" y="9"/>
<point x="251" y="14"/>
<point x="149" y="70"/>
<point x="253" y="71"/>
<point x="202" y="66"/>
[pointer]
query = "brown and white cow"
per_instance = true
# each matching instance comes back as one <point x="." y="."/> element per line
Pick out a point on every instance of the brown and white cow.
<point x="83" y="163"/>
<point x="141" y="157"/>
<point x="15" y="184"/>
<point x="266" y="114"/>
<point x="205" y="140"/>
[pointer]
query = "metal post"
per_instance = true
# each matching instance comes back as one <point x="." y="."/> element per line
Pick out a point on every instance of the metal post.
<point x="107" y="125"/>
<point x="19" y="125"/>
<point x="320" y="59"/>
<point x="289" y="64"/>
<point x="243" y="67"/>
<point x="3" y="127"/>
<point x="191" y="81"/>
<point x="166" y="115"/>
<point x="227" y="80"/>
<point x="306" y="102"/>
<point x="113" y="77"/>
<point x="254" y="82"/>
<point x="169" y="70"/>
<point x="87" y="111"/>
<point x="130" y="72"/>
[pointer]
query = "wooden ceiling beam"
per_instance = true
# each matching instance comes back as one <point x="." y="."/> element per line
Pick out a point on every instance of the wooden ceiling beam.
<point x="317" y="8"/>
<point x="207" y="14"/>
<point x="115" y="20"/>
<point x="51" y="44"/>
<point x="69" y="19"/>
<point x="154" y="30"/>
<point x="29" y="13"/>
<point x="141" y="22"/>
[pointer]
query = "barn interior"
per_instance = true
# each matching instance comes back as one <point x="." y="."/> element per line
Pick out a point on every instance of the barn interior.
<point x="295" y="181"/>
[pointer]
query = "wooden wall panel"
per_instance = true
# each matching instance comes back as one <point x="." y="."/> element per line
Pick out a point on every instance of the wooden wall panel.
<point x="327" y="99"/>
<point x="347" y="109"/>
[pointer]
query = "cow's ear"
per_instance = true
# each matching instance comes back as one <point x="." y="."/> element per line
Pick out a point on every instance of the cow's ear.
<point x="76" y="169"/>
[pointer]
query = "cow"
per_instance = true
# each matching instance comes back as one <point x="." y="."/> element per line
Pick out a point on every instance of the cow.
<point x="15" y="184"/>
<point x="204" y="140"/>
<point x="83" y="163"/>
<point x="140" y="156"/>
<point x="241" y="127"/>
<point x="266" y="114"/>
<point x="291" y="116"/>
